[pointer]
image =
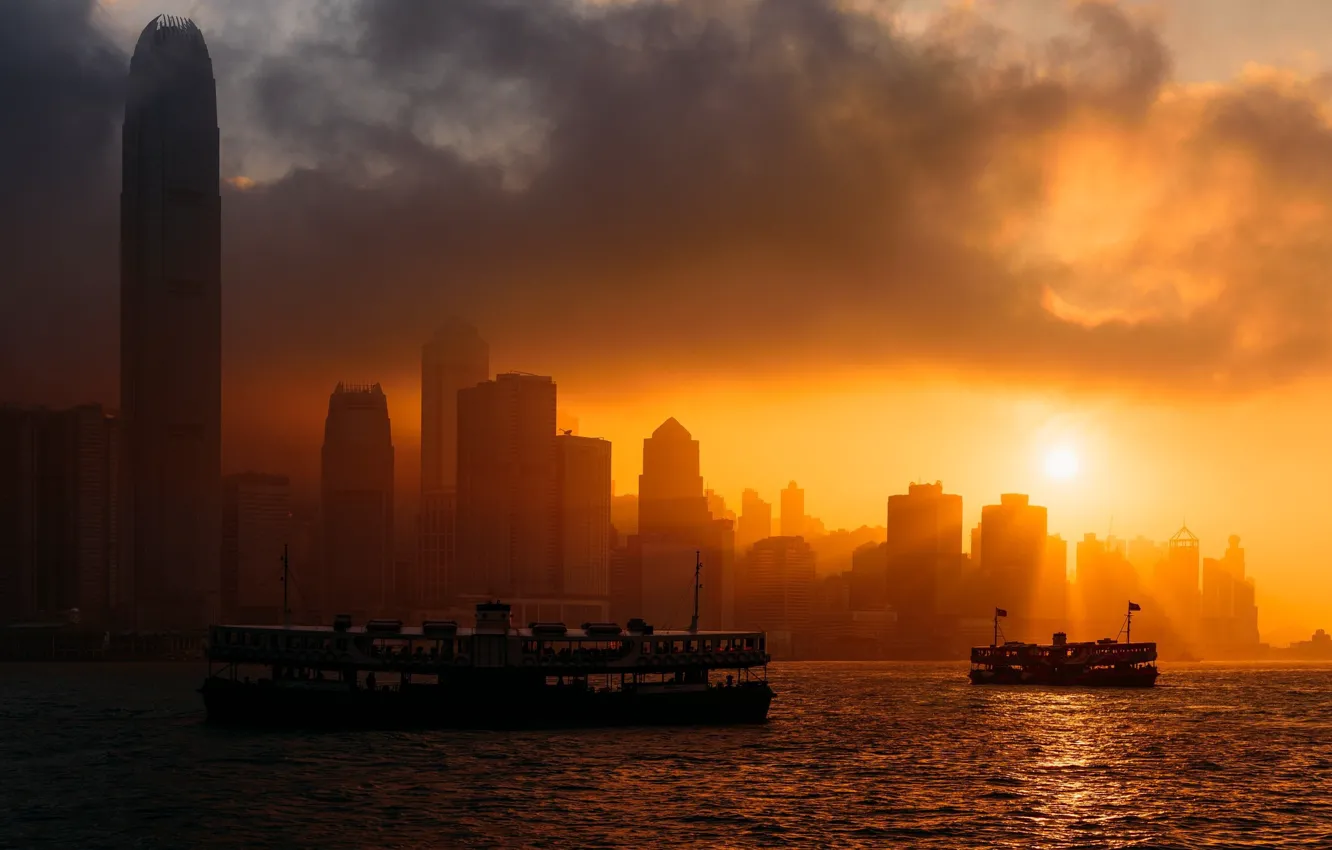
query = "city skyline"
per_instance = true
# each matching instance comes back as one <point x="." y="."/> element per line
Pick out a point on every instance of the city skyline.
<point x="1177" y="402"/>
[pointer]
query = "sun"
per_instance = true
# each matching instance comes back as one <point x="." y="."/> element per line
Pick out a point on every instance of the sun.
<point x="1061" y="463"/>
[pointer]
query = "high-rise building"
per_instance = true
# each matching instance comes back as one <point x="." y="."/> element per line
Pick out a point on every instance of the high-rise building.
<point x="755" y="521"/>
<point x="436" y="547"/>
<point x="869" y="577"/>
<point x="256" y="530"/>
<point x="1014" y="534"/>
<point x="508" y="488"/>
<point x="717" y="506"/>
<point x="775" y="590"/>
<point x="670" y="490"/>
<point x="171" y="328"/>
<point x="1176" y="584"/>
<point x="356" y="510"/>
<point x="792" y="519"/>
<point x="58" y="517"/>
<point x="584" y="472"/>
<point x="924" y="550"/>
<point x="455" y="358"/>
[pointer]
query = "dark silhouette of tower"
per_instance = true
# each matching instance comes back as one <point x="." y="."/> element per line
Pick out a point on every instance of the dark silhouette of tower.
<point x="171" y="328"/>
<point x="356" y="492"/>
<point x="924" y="552"/>
<point x="670" y="490"/>
<point x="507" y="488"/>
<point x="792" y="518"/>
<point x="455" y="358"/>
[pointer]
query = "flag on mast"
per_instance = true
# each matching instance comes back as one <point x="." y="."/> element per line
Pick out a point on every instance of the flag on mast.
<point x="1133" y="606"/>
<point x="1000" y="612"/>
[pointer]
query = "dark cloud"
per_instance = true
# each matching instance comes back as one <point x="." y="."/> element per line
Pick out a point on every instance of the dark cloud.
<point x="616" y="189"/>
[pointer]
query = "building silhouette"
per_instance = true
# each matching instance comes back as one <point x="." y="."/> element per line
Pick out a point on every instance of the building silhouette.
<point x="1013" y="555"/>
<point x="755" y="522"/>
<point x="584" y="474"/>
<point x="670" y="489"/>
<point x="1229" y="625"/>
<point x="792" y="519"/>
<point x="1176" y="586"/>
<point x="356" y="502"/>
<point x="171" y="329"/>
<point x="453" y="359"/>
<point x="1104" y="581"/>
<point x="256" y="526"/>
<point x="868" y="590"/>
<point x="58" y="516"/>
<point x="775" y="591"/>
<point x="507" y="489"/>
<point x="924" y="552"/>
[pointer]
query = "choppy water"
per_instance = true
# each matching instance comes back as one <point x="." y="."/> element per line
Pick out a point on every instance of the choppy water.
<point x="867" y="754"/>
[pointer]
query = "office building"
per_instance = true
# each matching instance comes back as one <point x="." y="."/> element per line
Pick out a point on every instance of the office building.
<point x="584" y="483"/>
<point x="455" y="358"/>
<point x="792" y="519"/>
<point x="171" y="329"/>
<point x="924" y="551"/>
<point x="670" y="489"/>
<point x="356" y="502"/>
<point x="256" y="531"/>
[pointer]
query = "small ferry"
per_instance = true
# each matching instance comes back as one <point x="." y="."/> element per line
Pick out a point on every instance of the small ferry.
<point x="385" y="674"/>
<point x="1103" y="663"/>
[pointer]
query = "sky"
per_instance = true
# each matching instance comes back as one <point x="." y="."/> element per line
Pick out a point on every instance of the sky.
<point x="854" y="244"/>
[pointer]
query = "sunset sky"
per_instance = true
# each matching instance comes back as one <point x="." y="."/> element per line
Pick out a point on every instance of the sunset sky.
<point x="853" y="244"/>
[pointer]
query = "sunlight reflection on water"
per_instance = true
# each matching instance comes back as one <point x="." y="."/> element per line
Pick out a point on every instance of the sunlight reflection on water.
<point x="856" y="755"/>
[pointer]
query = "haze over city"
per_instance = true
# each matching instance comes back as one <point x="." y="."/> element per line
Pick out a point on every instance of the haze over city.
<point x="1048" y="248"/>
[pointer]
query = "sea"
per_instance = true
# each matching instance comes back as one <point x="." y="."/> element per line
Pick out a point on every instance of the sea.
<point x="855" y="755"/>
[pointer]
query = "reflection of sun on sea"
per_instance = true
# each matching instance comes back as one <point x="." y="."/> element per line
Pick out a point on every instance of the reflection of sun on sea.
<point x="1061" y="463"/>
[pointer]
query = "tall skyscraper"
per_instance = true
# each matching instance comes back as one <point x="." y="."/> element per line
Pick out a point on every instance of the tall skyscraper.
<point x="58" y="518"/>
<point x="670" y="490"/>
<point x="584" y="471"/>
<point x="924" y="551"/>
<point x="171" y="328"/>
<point x="455" y="358"/>
<point x="1014" y="550"/>
<point x="256" y="525"/>
<point x="775" y="590"/>
<point x="507" y="488"/>
<point x="356" y="508"/>
<point x="1176" y="583"/>
<point x="755" y="521"/>
<point x="792" y="518"/>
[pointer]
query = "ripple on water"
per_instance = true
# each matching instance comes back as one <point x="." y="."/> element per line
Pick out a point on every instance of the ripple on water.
<point x="857" y="755"/>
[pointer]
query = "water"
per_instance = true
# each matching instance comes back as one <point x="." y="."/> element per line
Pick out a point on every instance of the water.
<point x="857" y="754"/>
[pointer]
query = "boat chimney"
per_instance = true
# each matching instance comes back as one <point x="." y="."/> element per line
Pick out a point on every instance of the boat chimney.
<point x="1060" y="639"/>
<point x="493" y="618"/>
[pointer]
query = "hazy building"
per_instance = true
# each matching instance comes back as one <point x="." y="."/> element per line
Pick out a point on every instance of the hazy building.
<point x="924" y="550"/>
<point x="868" y="589"/>
<point x="171" y="328"/>
<point x="356" y="502"/>
<point x="508" y="488"/>
<point x="1104" y="581"/>
<point x="454" y="358"/>
<point x="1014" y="534"/>
<point x="256" y="526"/>
<point x="624" y="514"/>
<point x="775" y="591"/>
<point x="436" y="547"/>
<point x="1052" y="586"/>
<point x="755" y="521"/>
<point x="792" y="519"/>
<point x="1229" y="615"/>
<point x="584" y="473"/>
<point x="58" y="517"/>
<point x="670" y="489"/>
<point x="717" y="506"/>
<point x="1176" y="584"/>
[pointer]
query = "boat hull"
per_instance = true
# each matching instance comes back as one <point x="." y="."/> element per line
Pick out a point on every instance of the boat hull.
<point x="1082" y="678"/>
<point x="231" y="703"/>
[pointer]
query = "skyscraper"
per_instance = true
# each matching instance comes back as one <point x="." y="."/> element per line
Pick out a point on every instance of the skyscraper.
<point x="755" y="521"/>
<point x="792" y="518"/>
<point x="775" y="589"/>
<point x="584" y="471"/>
<point x="1014" y="552"/>
<point x="455" y="358"/>
<point x="171" y="327"/>
<point x="670" y="490"/>
<point x="924" y="551"/>
<point x="256" y="526"/>
<point x="356" y="510"/>
<point x="507" y="488"/>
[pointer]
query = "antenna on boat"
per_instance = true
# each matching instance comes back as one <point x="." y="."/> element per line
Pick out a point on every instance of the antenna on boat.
<point x="998" y="612"/>
<point x="698" y="567"/>
<point x="286" y="611"/>
<point x="1127" y="631"/>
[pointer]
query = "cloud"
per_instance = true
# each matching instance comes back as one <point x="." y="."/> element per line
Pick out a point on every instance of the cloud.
<point x="618" y="192"/>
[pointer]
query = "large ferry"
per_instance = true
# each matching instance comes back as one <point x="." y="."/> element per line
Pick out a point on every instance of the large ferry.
<point x="491" y="675"/>
<point x="1102" y="663"/>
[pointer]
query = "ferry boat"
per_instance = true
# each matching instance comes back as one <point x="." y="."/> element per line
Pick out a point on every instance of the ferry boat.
<point x="385" y="674"/>
<point x="1101" y="663"/>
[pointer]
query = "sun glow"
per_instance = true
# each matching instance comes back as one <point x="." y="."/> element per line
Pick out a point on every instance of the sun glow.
<point x="1061" y="463"/>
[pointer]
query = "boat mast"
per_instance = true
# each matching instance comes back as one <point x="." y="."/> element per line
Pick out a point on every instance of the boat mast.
<point x="1128" y="625"/>
<point x="286" y="611"/>
<point x="698" y="566"/>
